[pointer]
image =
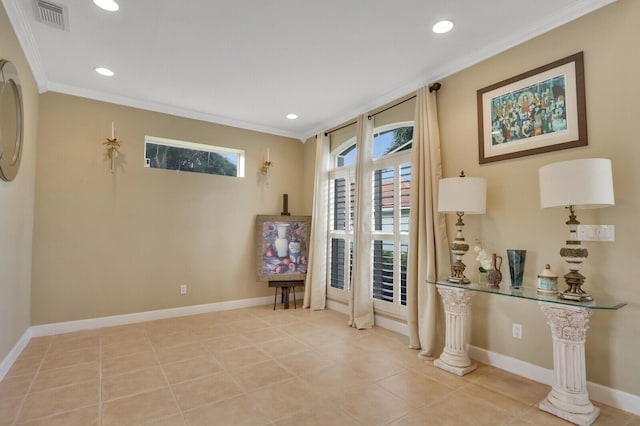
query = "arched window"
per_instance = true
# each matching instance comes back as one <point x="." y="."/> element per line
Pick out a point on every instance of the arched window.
<point x="391" y="179"/>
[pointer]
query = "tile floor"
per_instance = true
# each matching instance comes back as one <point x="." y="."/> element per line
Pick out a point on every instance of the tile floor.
<point x="257" y="366"/>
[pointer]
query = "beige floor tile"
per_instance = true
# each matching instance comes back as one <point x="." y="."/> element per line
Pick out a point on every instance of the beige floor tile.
<point x="281" y="399"/>
<point x="119" y="335"/>
<point x="9" y="410"/>
<point x="139" y="408"/>
<point x="123" y="348"/>
<point x="67" y="359"/>
<point x="282" y="347"/>
<point x="237" y="411"/>
<point x="264" y="335"/>
<point x="76" y="335"/>
<point x="59" y="400"/>
<point x="417" y="390"/>
<point x="206" y="390"/>
<point x="261" y="374"/>
<point x="213" y="331"/>
<point x="373" y="405"/>
<point x="72" y="344"/>
<point x="15" y="386"/>
<point x="191" y="369"/>
<point x="305" y="362"/>
<point x="611" y="416"/>
<point x="516" y="387"/>
<point x="242" y="357"/>
<point x="461" y="409"/>
<point x="334" y="379"/>
<point x="88" y="416"/>
<point x="322" y="414"/>
<point x="37" y="346"/>
<point x="533" y="416"/>
<point x="127" y="363"/>
<point x="226" y="343"/>
<point x="25" y="366"/>
<point x="497" y="400"/>
<point x="78" y="373"/>
<point x="180" y="352"/>
<point x="249" y="325"/>
<point x="176" y="420"/>
<point x="174" y="339"/>
<point x="131" y="383"/>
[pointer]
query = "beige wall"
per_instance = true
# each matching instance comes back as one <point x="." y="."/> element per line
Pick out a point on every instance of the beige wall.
<point x="16" y="206"/>
<point x="514" y="219"/>
<point x="107" y="244"/>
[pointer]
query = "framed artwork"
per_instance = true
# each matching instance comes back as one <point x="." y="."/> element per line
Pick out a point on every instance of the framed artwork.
<point x="541" y="110"/>
<point x="282" y="247"/>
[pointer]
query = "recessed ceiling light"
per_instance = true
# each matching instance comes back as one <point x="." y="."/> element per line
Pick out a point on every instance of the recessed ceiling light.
<point x="109" y="5"/>
<point x="105" y="71"/>
<point x="442" y="27"/>
<point x="292" y="116"/>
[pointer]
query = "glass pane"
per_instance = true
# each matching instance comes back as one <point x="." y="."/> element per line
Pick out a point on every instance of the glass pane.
<point x="383" y="270"/>
<point x="347" y="157"/>
<point x="191" y="160"/>
<point x="337" y="263"/>
<point x="405" y="196"/>
<point x="339" y="204"/>
<point x="383" y="195"/>
<point x="404" y="251"/>
<point x="391" y="141"/>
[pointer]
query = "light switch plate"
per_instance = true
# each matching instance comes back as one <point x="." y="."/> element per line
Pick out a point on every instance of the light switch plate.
<point x="597" y="233"/>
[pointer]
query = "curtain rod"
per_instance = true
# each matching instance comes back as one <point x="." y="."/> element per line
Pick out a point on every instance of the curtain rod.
<point x="433" y="88"/>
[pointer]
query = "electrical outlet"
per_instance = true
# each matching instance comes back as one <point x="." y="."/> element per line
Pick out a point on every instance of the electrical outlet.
<point x="516" y="330"/>
<point x="183" y="289"/>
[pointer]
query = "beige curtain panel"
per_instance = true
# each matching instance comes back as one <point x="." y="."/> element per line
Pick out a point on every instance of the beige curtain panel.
<point x="315" y="290"/>
<point x="428" y="243"/>
<point x="361" y="300"/>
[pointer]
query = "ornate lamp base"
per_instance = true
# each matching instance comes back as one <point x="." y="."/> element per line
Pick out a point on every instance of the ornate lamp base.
<point x="459" y="247"/>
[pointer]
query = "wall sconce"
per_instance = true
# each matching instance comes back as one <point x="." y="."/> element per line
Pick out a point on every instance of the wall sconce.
<point x="461" y="195"/>
<point x="264" y="169"/>
<point x="112" y="147"/>
<point x="576" y="184"/>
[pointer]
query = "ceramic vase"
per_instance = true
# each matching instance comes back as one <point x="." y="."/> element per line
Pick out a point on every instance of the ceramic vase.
<point x="494" y="276"/>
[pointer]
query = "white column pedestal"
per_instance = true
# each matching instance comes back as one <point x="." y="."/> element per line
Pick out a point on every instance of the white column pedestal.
<point x="568" y="398"/>
<point x="455" y="358"/>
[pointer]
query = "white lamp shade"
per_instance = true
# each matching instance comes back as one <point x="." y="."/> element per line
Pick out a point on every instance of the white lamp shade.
<point x="585" y="184"/>
<point x="462" y="194"/>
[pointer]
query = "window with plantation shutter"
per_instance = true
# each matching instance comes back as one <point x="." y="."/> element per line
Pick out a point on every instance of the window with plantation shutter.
<point x="391" y="204"/>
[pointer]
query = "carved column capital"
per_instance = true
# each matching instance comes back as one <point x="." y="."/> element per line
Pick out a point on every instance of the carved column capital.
<point x="456" y="301"/>
<point x="567" y="323"/>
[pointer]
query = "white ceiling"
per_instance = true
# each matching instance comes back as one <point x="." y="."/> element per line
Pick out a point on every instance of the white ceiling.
<point x="248" y="63"/>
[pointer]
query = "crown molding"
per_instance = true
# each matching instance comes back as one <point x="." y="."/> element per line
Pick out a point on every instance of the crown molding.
<point x="20" y="22"/>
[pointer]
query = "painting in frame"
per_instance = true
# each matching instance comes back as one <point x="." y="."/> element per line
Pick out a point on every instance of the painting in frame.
<point x="541" y="110"/>
<point x="282" y="247"/>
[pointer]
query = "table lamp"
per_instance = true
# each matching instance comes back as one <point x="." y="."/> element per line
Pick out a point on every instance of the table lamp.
<point x="576" y="184"/>
<point x="461" y="195"/>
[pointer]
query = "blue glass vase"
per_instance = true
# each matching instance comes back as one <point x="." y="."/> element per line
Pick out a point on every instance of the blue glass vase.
<point x="516" y="260"/>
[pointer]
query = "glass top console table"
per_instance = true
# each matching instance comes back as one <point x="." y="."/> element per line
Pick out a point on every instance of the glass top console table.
<point x="568" y="320"/>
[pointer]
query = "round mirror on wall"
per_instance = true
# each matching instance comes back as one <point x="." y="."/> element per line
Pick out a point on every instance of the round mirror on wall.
<point x="11" y="124"/>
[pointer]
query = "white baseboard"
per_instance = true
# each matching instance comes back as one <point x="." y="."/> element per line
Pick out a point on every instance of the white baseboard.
<point x="14" y="353"/>
<point x="603" y="394"/>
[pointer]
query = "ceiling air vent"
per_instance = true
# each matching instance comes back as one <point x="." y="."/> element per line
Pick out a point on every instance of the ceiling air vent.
<point x="53" y="14"/>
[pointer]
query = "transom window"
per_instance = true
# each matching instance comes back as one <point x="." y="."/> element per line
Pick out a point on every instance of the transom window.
<point x="184" y="156"/>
